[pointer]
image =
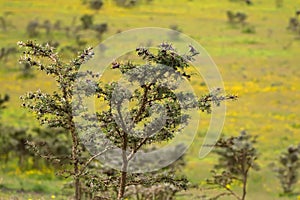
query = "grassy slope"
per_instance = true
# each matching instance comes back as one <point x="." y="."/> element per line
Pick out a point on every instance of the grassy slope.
<point x="262" y="67"/>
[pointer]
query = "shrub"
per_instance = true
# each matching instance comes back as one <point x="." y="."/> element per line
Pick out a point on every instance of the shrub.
<point x="288" y="168"/>
<point x="248" y="29"/>
<point x="174" y="35"/>
<point x="236" y="18"/>
<point x="86" y="21"/>
<point x="100" y="29"/>
<point x="96" y="4"/>
<point x="32" y="28"/>
<point x="126" y="3"/>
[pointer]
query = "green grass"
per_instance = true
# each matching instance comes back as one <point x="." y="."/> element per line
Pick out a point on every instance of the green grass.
<point x="261" y="67"/>
<point x="30" y="183"/>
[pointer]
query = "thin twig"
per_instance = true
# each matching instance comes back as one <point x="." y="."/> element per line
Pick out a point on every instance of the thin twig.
<point x="91" y="159"/>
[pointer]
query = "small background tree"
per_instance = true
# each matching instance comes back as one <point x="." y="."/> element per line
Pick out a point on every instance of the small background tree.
<point x="237" y="156"/>
<point x="4" y="137"/>
<point x="288" y="169"/>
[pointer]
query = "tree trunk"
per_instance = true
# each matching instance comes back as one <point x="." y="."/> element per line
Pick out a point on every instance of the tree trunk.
<point x="77" y="188"/>
<point x="122" y="185"/>
<point x="244" y="186"/>
<point x="75" y="152"/>
<point x="124" y="172"/>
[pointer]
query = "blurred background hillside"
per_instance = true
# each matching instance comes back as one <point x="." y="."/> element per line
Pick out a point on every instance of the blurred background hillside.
<point x="255" y="45"/>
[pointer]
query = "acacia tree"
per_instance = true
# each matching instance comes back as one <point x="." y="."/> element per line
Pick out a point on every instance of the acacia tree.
<point x="131" y="128"/>
<point x="55" y="109"/>
<point x="238" y="156"/>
